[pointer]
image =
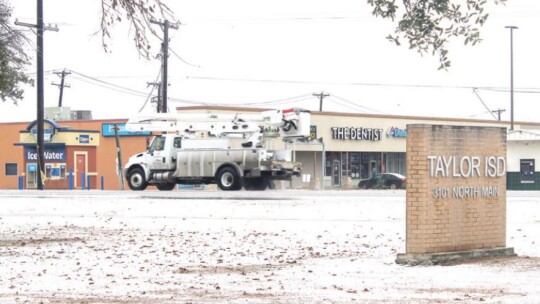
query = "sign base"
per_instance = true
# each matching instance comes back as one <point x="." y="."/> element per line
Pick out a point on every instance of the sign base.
<point x="413" y="259"/>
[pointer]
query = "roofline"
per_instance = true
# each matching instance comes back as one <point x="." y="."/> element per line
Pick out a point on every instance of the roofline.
<point x="105" y="120"/>
<point x="60" y="130"/>
<point x="47" y="144"/>
<point x="426" y="118"/>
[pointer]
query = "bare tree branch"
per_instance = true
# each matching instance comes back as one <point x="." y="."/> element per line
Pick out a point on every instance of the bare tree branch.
<point x="139" y="13"/>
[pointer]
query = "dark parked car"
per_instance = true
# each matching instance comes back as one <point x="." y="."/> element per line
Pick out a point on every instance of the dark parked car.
<point x="384" y="181"/>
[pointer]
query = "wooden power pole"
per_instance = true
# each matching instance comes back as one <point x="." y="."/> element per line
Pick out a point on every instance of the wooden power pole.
<point x="321" y="96"/>
<point x="61" y="85"/>
<point x="40" y="26"/>
<point x="166" y="25"/>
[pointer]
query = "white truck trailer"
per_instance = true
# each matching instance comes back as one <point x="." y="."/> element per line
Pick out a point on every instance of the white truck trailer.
<point x="196" y="149"/>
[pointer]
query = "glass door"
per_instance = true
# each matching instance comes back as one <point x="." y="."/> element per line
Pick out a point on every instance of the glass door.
<point x="31" y="176"/>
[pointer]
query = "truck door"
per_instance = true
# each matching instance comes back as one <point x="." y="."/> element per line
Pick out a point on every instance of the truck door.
<point x="176" y="147"/>
<point x="159" y="157"/>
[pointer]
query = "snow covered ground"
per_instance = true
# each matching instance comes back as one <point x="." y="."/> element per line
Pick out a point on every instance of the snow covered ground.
<point x="243" y="247"/>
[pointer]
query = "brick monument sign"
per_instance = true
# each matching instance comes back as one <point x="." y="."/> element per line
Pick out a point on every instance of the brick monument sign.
<point x="456" y="193"/>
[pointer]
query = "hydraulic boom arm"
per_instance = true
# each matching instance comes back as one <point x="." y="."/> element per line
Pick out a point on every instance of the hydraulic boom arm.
<point x="291" y="123"/>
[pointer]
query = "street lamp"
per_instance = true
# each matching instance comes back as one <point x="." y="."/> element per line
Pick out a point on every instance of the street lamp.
<point x="512" y="28"/>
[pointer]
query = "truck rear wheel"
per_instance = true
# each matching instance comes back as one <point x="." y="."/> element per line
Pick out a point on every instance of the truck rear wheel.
<point x="136" y="180"/>
<point x="228" y="179"/>
<point x="165" y="187"/>
<point x="258" y="184"/>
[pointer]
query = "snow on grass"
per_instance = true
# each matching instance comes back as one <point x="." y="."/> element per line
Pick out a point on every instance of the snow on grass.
<point x="242" y="247"/>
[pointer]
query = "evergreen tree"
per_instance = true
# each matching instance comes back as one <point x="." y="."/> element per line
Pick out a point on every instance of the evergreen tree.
<point x="13" y="58"/>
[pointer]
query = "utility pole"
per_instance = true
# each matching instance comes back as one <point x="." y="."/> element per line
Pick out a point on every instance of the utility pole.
<point x="321" y="96"/>
<point x="512" y="28"/>
<point x="162" y="106"/>
<point x="40" y="89"/>
<point x="62" y="85"/>
<point x="158" y="85"/>
<point x="119" y="157"/>
<point x="499" y="111"/>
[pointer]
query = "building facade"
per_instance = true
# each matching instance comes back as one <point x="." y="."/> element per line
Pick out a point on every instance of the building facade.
<point x="345" y="148"/>
<point x="78" y="154"/>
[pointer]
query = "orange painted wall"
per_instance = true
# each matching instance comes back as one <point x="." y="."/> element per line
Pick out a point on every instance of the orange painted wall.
<point x="105" y="164"/>
<point x="9" y="134"/>
<point x="106" y="152"/>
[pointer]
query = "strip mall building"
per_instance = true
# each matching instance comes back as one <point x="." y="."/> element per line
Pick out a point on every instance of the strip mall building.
<point x="354" y="146"/>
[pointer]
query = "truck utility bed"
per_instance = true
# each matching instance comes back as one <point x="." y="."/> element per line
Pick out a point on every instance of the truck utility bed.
<point x="205" y="163"/>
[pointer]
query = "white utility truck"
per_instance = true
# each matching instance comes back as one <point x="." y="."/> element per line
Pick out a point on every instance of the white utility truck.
<point x="196" y="149"/>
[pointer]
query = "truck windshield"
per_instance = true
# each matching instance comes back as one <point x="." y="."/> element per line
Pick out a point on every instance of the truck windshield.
<point x="158" y="144"/>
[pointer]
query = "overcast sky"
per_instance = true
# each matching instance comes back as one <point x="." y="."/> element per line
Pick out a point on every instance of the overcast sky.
<point x="277" y="54"/>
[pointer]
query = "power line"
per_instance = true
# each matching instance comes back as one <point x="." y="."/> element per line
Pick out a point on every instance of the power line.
<point x="152" y="91"/>
<point x="373" y="84"/>
<point x="274" y="102"/>
<point x="479" y="114"/>
<point x="125" y="90"/>
<point x="106" y="86"/>
<point x="292" y="19"/>
<point x="182" y="59"/>
<point x="282" y="100"/>
<point x="49" y="72"/>
<point x="356" y="104"/>
<point x="121" y="89"/>
<point x="111" y="85"/>
<point x="475" y="91"/>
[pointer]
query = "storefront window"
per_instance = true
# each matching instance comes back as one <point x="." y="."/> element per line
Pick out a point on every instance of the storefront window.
<point x="48" y="171"/>
<point x="345" y="163"/>
<point x="355" y="165"/>
<point x="328" y="165"/>
<point x="395" y="162"/>
<point x="55" y="171"/>
<point x="11" y="169"/>
<point x="370" y="164"/>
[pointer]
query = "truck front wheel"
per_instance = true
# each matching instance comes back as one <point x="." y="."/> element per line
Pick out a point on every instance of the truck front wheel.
<point x="228" y="179"/>
<point x="136" y="180"/>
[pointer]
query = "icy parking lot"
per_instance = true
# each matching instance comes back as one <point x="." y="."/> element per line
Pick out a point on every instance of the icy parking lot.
<point x="243" y="247"/>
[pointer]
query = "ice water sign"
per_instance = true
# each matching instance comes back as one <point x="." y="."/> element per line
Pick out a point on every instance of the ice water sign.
<point x="50" y="154"/>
